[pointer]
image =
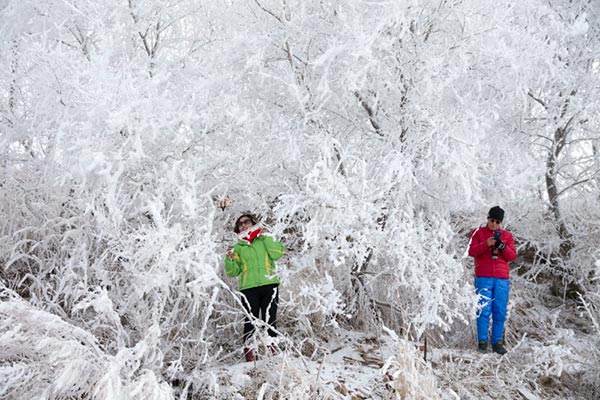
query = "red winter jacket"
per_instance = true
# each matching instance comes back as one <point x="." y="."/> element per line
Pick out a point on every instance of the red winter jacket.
<point x="485" y="265"/>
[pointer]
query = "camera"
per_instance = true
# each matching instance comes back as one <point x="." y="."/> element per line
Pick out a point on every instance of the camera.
<point x="499" y="244"/>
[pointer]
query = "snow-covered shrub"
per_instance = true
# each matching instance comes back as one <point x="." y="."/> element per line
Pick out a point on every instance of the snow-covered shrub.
<point x="46" y="357"/>
<point x="410" y="376"/>
<point x="590" y="304"/>
<point x="356" y="130"/>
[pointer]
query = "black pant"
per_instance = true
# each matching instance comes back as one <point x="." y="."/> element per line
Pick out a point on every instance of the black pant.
<point x="261" y="300"/>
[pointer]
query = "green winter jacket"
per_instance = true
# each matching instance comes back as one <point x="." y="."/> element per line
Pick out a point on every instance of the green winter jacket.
<point x="254" y="263"/>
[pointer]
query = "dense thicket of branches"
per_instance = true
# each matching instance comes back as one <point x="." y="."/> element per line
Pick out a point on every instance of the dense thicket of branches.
<point x="369" y="136"/>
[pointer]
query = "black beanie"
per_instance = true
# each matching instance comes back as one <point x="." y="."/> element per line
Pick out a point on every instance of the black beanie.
<point x="496" y="213"/>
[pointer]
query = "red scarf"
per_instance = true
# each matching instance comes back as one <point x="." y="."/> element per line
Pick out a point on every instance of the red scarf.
<point x="249" y="235"/>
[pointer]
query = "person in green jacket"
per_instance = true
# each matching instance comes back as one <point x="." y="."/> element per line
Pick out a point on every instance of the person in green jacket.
<point x="252" y="260"/>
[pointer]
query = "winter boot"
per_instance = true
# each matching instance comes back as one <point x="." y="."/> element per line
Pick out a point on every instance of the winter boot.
<point x="482" y="346"/>
<point x="498" y="347"/>
<point x="249" y="354"/>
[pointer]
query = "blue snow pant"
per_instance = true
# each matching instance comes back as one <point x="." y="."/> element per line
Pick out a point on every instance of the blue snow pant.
<point x="493" y="300"/>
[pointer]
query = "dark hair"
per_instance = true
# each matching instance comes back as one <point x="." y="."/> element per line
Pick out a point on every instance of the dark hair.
<point x="236" y="228"/>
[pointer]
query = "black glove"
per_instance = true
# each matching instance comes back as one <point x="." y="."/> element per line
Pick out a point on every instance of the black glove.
<point x="500" y="245"/>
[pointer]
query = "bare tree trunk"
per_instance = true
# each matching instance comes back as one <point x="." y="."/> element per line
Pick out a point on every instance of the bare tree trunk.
<point x="563" y="283"/>
<point x="559" y="140"/>
<point x="370" y="113"/>
<point x="13" y="70"/>
<point x="151" y="38"/>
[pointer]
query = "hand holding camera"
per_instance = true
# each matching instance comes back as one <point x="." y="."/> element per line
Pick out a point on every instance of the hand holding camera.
<point x="498" y="245"/>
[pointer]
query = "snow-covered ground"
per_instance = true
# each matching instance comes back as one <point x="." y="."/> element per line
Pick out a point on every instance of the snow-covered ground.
<point x="354" y="365"/>
<point x="549" y="358"/>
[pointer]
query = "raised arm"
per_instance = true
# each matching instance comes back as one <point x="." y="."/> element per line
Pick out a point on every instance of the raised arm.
<point x="233" y="267"/>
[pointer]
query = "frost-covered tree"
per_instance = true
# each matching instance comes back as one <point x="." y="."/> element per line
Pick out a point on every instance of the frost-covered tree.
<point x="564" y="124"/>
<point x="368" y="136"/>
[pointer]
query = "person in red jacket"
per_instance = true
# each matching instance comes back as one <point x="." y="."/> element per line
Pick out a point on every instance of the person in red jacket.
<point x="492" y="248"/>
